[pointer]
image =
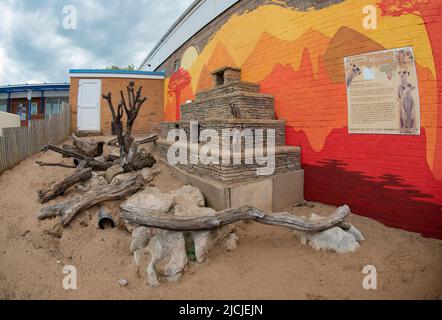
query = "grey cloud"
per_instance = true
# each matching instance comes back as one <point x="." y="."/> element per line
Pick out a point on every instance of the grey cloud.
<point x="34" y="46"/>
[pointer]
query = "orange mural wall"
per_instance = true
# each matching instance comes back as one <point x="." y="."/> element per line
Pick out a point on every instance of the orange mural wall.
<point x="297" y="56"/>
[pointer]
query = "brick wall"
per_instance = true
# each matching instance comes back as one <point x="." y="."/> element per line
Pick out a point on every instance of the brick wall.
<point x="295" y="50"/>
<point x="151" y="113"/>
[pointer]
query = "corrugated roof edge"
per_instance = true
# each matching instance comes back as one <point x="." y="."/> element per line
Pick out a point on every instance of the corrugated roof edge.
<point x="169" y="31"/>
<point x="35" y="87"/>
<point x="104" y="71"/>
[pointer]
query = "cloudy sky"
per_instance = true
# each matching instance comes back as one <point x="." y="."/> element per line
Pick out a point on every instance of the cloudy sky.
<point x="35" y="46"/>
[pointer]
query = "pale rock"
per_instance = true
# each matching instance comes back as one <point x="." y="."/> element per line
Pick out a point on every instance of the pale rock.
<point x="334" y="239"/>
<point x="169" y="258"/>
<point x="141" y="260"/>
<point x="96" y="181"/>
<point x="150" y="199"/>
<point x="356" y="233"/>
<point x="122" y="177"/>
<point x="186" y="210"/>
<point x="205" y="240"/>
<point x="202" y="241"/>
<point x="138" y="257"/>
<point x="352" y="230"/>
<point x="112" y="172"/>
<point x="149" y="174"/>
<point x="123" y="282"/>
<point x="130" y="227"/>
<point x="140" y="238"/>
<point x="231" y="242"/>
<point x="189" y="194"/>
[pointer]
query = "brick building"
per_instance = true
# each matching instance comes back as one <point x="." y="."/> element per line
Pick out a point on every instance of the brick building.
<point x="90" y="112"/>
<point x="295" y="51"/>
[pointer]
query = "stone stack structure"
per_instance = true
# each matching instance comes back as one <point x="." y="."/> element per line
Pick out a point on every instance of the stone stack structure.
<point x="235" y="104"/>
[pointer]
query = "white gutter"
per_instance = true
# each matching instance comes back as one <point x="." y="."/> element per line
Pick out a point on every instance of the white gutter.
<point x="196" y="17"/>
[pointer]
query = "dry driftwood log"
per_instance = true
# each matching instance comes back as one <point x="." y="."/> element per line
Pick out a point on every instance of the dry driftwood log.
<point x="140" y="160"/>
<point x="91" y="162"/>
<point x="89" y="148"/>
<point x="80" y="174"/>
<point x="113" y="142"/>
<point x="131" y="159"/>
<point x="69" y="147"/>
<point x="69" y="209"/>
<point x="52" y="164"/>
<point x="222" y="218"/>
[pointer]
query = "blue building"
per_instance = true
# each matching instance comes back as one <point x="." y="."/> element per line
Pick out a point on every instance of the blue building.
<point x="33" y="101"/>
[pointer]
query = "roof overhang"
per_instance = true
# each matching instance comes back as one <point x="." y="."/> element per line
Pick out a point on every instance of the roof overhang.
<point x="101" y="73"/>
<point x="35" y="87"/>
<point x="196" y="17"/>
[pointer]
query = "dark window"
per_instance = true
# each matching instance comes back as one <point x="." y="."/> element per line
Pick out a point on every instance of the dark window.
<point x="3" y="105"/>
<point x="53" y="105"/>
<point x="176" y="65"/>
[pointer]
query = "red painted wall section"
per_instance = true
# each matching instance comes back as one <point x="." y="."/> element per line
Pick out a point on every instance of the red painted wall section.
<point x="298" y="58"/>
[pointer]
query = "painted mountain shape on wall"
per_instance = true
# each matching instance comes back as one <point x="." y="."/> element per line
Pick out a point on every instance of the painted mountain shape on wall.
<point x="220" y="57"/>
<point x="270" y="51"/>
<point x="346" y="42"/>
<point x="302" y="97"/>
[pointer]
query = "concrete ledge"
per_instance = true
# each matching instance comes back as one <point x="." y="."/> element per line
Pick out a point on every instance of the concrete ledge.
<point x="288" y="189"/>
<point x="259" y="194"/>
<point x="268" y="194"/>
<point x="216" y="194"/>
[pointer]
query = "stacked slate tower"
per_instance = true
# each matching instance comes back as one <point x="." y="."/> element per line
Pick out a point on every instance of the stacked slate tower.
<point x="236" y="105"/>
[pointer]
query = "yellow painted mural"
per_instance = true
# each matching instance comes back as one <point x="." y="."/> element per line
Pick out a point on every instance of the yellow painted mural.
<point x="297" y="56"/>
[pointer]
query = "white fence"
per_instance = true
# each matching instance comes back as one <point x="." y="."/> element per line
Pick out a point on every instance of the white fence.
<point x="18" y="143"/>
<point x="8" y="120"/>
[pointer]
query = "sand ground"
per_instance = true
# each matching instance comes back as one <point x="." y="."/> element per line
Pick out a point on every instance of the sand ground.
<point x="269" y="263"/>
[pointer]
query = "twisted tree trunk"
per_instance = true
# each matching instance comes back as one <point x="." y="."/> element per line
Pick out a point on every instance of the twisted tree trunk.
<point x="56" y="190"/>
<point x="128" y="147"/>
<point x="88" y="148"/>
<point x="283" y="219"/>
<point x="90" y="162"/>
<point x="69" y="209"/>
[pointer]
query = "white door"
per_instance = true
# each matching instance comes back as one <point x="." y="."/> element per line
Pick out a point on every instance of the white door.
<point x="88" y="109"/>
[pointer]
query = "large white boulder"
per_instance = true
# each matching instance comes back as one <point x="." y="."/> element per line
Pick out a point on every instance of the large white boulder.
<point x="334" y="239"/>
<point x="151" y="200"/>
<point x="169" y="258"/>
<point x="189" y="195"/>
<point x="356" y="233"/>
<point x="141" y="237"/>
